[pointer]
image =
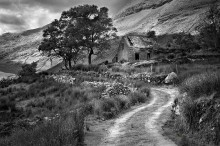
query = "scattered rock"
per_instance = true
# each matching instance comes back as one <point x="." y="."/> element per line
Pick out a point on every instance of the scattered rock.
<point x="171" y="78"/>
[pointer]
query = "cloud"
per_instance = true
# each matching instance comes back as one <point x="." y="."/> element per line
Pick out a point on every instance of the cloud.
<point x="19" y="15"/>
<point x="11" y="19"/>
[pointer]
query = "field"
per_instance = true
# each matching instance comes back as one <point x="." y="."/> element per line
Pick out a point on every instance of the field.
<point x="61" y="103"/>
<point x="195" y="119"/>
<point x="43" y="102"/>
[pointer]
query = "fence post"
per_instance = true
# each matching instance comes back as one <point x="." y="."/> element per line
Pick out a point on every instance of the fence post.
<point x="177" y="69"/>
<point x="151" y="68"/>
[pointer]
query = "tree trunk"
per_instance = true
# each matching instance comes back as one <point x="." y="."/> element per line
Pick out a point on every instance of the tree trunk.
<point x="65" y="63"/>
<point x="90" y="56"/>
<point x="70" y="63"/>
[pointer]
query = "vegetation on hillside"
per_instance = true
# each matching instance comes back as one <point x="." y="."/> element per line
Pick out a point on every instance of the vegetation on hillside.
<point x="210" y="33"/>
<point x="58" y="104"/>
<point x="198" y="121"/>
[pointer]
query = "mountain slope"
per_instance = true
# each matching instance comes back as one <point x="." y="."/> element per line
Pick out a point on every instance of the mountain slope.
<point x="162" y="16"/>
<point x="23" y="48"/>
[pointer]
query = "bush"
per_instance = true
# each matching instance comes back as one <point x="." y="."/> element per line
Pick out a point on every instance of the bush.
<point x="203" y="84"/>
<point x="6" y="82"/>
<point x="123" y="61"/>
<point x="81" y="67"/>
<point x="185" y="75"/>
<point x="199" y="108"/>
<point x="137" y="97"/>
<point x="28" y="69"/>
<point x="123" y="101"/>
<point x="171" y="56"/>
<point x="140" y="84"/>
<point x="7" y="104"/>
<point x="65" y="131"/>
<point x="116" y="69"/>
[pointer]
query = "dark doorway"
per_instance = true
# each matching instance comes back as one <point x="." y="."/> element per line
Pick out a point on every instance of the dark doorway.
<point x="137" y="57"/>
<point x="116" y="59"/>
<point x="148" y="56"/>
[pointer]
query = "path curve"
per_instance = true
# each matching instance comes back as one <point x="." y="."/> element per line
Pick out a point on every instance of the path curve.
<point x="142" y="125"/>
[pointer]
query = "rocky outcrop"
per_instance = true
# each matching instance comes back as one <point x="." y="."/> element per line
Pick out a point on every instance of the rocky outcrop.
<point x="162" y="16"/>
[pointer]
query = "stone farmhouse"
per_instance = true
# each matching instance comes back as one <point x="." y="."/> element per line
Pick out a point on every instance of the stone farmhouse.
<point x="134" y="48"/>
<point x="131" y="47"/>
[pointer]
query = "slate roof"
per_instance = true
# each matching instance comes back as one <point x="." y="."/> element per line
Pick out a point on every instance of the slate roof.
<point x="140" y="41"/>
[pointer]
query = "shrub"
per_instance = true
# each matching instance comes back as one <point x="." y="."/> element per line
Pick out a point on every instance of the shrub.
<point x="110" y="107"/>
<point x="140" y="84"/>
<point x="123" y="61"/>
<point x="185" y="75"/>
<point x="171" y="56"/>
<point x="199" y="108"/>
<point x="145" y="91"/>
<point x="137" y="97"/>
<point x="81" y="67"/>
<point x="7" y="82"/>
<point x="116" y="69"/>
<point x="201" y="85"/>
<point x="7" y="104"/>
<point x="103" y="68"/>
<point x="65" y="131"/>
<point x="28" y="69"/>
<point x="123" y="101"/>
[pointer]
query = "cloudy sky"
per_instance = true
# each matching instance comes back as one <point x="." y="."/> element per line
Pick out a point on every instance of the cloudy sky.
<point x="18" y="15"/>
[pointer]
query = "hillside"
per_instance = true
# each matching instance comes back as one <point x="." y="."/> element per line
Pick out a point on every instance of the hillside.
<point x="19" y="48"/>
<point x="162" y="16"/>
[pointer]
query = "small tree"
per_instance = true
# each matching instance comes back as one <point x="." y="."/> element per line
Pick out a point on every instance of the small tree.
<point x="183" y="42"/>
<point x="151" y="34"/>
<point x="210" y="33"/>
<point x="28" y="69"/>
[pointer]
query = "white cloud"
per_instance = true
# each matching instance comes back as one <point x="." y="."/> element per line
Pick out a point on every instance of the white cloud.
<point x="31" y="17"/>
<point x="30" y="14"/>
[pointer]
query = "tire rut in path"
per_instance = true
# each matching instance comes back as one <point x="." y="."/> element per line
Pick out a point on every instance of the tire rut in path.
<point x="139" y="126"/>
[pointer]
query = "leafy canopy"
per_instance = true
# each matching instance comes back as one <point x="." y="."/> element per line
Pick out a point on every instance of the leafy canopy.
<point x="81" y="29"/>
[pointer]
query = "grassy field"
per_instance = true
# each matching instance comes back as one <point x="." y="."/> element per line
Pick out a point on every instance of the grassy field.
<point x="56" y="105"/>
<point x="59" y="103"/>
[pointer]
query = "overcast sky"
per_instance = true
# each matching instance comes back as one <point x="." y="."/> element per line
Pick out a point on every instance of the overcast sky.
<point x="19" y="15"/>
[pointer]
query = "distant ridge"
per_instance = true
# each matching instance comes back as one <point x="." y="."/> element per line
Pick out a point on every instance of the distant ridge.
<point x="162" y="16"/>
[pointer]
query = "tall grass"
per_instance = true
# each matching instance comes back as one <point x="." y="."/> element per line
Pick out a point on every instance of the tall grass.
<point x="199" y="108"/>
<point x="202" y="84"/>
<point x="110" y="107"/>
<point x="67" y="130"/>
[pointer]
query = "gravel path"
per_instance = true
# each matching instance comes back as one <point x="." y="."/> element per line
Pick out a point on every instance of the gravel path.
<point x="142" y="126"/>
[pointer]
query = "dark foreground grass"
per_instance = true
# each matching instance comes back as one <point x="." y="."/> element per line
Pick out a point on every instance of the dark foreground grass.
<point x="45" y="97"/>
<point x="202" y="84"/>
<point x="199" y="104"/>
<point x="67" y="130"/>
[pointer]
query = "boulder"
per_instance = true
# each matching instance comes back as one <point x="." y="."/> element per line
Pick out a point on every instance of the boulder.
<point x="171" y="78"/>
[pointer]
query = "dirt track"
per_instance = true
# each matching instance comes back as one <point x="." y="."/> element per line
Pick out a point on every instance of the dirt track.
<point x="142" y="125"/>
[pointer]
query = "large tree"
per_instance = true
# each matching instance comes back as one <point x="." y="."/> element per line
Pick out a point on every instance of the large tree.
<point x="95" y="26"/>
<point x="81" y="29"/>
<point x="60" y="42"/>
<point x="210" y="33"/>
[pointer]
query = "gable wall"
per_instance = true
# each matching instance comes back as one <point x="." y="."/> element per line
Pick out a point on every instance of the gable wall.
<point x="127" y="52"/>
